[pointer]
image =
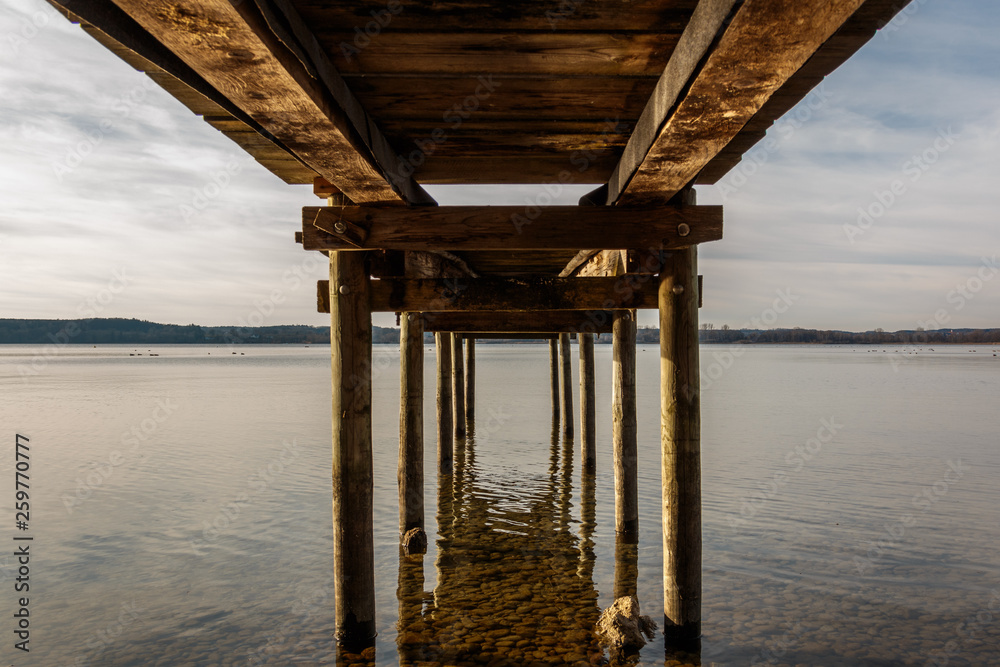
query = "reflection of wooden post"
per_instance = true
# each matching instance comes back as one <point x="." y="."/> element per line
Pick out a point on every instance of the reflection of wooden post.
<point x="624" y="436"/>
<point x="351" y="362"/>
<point x="458" y="384"/>
<point x="626" y="568"/>
<point x="567" y="384"/>
<point x="680" y="429"/>
<point x="446" y="437"/>
<point x="470" y="382"/>
<point x="588" y="403"/>
<point x="410" y="473"/>
<point x="410" y="594"/>
<point x="554" y="376"/>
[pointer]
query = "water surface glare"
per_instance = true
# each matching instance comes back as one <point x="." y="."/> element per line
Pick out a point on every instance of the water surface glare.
<point x="181" y="510"/>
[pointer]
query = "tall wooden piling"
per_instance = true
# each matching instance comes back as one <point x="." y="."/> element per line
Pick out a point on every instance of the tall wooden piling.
<point x="410" y="472"/>
<point x="680" y="432"/>
<point x="445" y="430"/>
<point x="351" y="365"/>
<point x="588" y="404"/>
<point x="624" y="431"/>
<point x="470" y="382"/>
<point x="567" y="384"/>
<point x="458" y="384"/>
<point x="554" y="377"/>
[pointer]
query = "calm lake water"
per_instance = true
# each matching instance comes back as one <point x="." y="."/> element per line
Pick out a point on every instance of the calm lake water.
<point x="181" y="510"/>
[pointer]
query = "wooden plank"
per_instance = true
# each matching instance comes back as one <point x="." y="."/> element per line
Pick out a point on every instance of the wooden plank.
<point x="305" y="106"/>
<point x="513" y="15"/>
<point x="487" y="294"/>
<point x="353" y="471"/>
<point x="507" y="322"/>
<point x="410" y="470"/>
<point x="548" y="54"/>
<point x="680" y="433"/>
<point x="565" y="351"/>
<point x="588" y="404"/>
<point x="509" y="228"/>
<point x="490" y="335"/>
<point x="624" y="434"/>
<point x="706" y="22"/>
<point x="445" y="429"/>
<point x="765" y="43"/>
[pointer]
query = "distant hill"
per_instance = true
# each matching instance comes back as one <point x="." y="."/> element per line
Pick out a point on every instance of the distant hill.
<point x="140" y="332"/>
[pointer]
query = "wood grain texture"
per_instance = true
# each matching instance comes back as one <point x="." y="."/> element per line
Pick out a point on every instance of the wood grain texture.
<point x="509" y="228"/>
<point x="554" y="379"/>
<point x="470" y="381"/>
<point x="766" y="42"/>
<point x="458" y="384"/>
<point x="588" y="404"/>
<point x="410" y="470"/>
<point x="513" y="322"/>
<point x="566" y="355"/>
<point x="353" y="481"/>
<point x="624" y="434"/>
<point x="680" y="432"/>
<point x="445" y="427"/>
<point x="234" y="50"/>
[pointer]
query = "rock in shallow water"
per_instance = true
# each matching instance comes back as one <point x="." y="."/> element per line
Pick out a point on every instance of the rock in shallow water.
<point x="621" y="626"/>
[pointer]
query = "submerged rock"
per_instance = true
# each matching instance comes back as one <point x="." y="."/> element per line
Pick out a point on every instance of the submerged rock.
<point x="621" y="626"/>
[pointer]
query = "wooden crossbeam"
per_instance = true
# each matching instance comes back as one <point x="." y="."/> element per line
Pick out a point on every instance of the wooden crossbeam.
<point x="487" y="335"/>
<point x="394" y="295"/>
<point x="507" y="322"/>
<point x="274" y="70"/>
<point x="688" y="121"/>
<point x="464" y="228"/>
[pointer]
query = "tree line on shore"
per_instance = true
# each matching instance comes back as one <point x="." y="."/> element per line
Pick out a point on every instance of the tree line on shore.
<point x="121" y="331"/>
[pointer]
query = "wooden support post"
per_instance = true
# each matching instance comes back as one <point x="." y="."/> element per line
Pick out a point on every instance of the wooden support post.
<point x="410" y="473"/>
<point x="470" y="382"/>
<point x="567" y="385"/>
<point x="680" y="432"/>
<point x="353" y="519"/>
<point x="554" y="377"/>
<point x="588" y="404"/>
<point x="458" y="384"/>
<point x="624" y="429"/>
<point x="446" y="436"/>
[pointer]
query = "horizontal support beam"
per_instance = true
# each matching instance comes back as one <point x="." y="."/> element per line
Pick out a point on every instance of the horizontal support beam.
<point x="394" y="295"/>
<point x="506" y="322"/>
<point x="486" y="335"/>
<point x="462" y="228"/>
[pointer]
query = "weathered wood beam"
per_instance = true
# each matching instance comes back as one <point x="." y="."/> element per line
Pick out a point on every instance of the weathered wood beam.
<point x="691" y="117"/>
<point x="395" y="295"/>
<point x="353" y="471"/>
<point x="410" y="470"/>
<point x="458" y="384"/>
<point x="565" y="351"/>
<point x="490" y="335"/>
<point x="554" y="382"/>
<point x="462" y="228"/>
<point x="624" y="436"/>
<point x="512" y="322"/>
<point x="445" y="435"/>
<point x="470" y="381"/>
<point x="274" y="70"/>
<point x="588" y="404"/>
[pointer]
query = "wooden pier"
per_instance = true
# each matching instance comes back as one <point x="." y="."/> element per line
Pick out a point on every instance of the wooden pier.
<point x="643" y="104"/>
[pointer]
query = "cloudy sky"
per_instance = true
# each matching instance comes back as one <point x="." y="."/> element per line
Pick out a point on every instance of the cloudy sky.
<point x="103" y="180"/>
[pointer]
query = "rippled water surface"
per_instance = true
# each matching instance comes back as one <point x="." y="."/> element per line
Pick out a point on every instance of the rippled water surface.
<point x="181" y="510"/>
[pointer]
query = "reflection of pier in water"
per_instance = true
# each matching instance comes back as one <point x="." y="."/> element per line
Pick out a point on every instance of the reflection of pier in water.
<point x="515" y="581"/>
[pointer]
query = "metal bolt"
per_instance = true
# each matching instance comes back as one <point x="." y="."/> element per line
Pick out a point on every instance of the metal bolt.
<point x="677" y="289"/>
<point x="339" y="227"/>
<point x="683" y="229"/>
<point x="344" y="289"/>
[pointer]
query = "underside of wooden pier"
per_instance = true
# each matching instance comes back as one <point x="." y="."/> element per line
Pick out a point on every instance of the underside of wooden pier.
<point x="368" y="101"/>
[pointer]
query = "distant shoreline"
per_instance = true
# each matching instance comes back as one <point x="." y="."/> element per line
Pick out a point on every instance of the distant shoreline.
<point x="120" y="331"/>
